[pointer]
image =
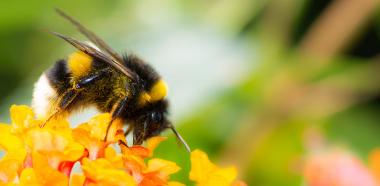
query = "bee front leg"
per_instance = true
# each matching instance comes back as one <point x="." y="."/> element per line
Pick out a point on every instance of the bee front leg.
<point x="117" y="113"/>
<point x="70" y="95"/>
<point x="139" y="132"/>
<point x="67" y="99"/>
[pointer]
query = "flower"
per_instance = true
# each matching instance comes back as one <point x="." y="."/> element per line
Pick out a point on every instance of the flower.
<point x="91" y="134"/>
<point x="205" y="173"/>
<point x="103" y="172"/>
<point x="46" y="156"/>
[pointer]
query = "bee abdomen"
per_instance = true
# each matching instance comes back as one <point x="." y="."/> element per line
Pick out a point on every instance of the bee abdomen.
<point x="59" y="76"/>
<point x="49" y="87"/>
<point x="43" y="96"/>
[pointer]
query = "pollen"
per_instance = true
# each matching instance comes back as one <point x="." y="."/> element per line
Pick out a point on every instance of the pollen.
<point x="79" y="63"/>
<point x="158" y="91"/>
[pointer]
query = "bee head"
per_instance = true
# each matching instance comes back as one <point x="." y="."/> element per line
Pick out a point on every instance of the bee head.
<point x="151" y="122"/>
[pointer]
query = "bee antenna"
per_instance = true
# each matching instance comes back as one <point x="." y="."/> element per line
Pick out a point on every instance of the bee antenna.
<point x="179" y="137"/>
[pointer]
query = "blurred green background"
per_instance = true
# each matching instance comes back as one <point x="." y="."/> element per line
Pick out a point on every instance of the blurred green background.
<point x="254" y="83"/>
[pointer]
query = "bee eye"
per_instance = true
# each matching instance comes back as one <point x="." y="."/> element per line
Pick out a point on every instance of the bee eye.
<point x="155" y="116"/>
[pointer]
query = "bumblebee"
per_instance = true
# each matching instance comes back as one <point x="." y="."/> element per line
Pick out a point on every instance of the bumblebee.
<point x="125" y="86"/>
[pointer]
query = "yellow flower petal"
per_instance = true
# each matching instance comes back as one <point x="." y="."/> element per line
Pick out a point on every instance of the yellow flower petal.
<point x="36" y="156"/>
<point x="163" y="168"/>
<point x="221" y="177"/>
<point x="114" y="158"/>
<point x="8" y="170"/>
<point x="28" y="177"/>
<point x="98" y="126"/>
<point x="153" y="142"/>
<point x="200" y="166"/>
<point x="46" y="140"/>
<point x="102" y="172"/>
<point x="58" y="146"/>
<point x="22" y="118"/>
<point x="59" y="123"/>
<point x="12" y="144"/>
<point x="203" y="172"/>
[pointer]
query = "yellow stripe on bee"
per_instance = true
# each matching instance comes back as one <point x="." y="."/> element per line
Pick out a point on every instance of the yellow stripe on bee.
<point x="144" y="98"/>
<point x="79" y="63"/>
<point x="158" y="91"/>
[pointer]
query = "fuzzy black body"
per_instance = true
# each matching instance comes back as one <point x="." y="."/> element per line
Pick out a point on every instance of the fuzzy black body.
<point x="126" y="87"/>
<point x="111" y="91"/>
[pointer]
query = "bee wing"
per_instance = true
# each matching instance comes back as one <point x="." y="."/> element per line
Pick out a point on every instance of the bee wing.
<point x="97" y="54"/>
<point x="91" y="36"/>
<point x="117" y="60"/>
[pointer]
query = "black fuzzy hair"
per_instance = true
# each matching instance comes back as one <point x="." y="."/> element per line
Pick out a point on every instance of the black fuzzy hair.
<point x="145" y="72"/>
<point x="59" y="76"/>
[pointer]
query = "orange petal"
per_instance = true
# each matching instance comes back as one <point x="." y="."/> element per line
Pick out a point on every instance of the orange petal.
<point x="45" y="174"/>
<point x="158" y="171"/>
<point x="115" y="159"/>
<point x="94" y="146"/>
<point x="133" y="157"/>
<point x="151" y="179"/>
<point x="163" y="168"/>
<point x="140" y="151"/>
<point x="153" y="142"/>
<point x="77" y="180"/>
<point x="374" y="162"/>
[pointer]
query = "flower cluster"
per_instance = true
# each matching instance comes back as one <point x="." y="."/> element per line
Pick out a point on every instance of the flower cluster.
<point x="46" y="156"/>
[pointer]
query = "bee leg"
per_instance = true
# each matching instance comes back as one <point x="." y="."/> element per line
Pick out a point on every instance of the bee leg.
<point x="108" y="128"/>
<point x="70" y="95"/>
<point x="120" y="142"/>
<point x="91" y="78"/>
<point x="50" y="117"/>
<point x="66" y="100"/>
<point x="129" y="130"/>
<point x="139" y="133"/>
<point x="117" y="113"/>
